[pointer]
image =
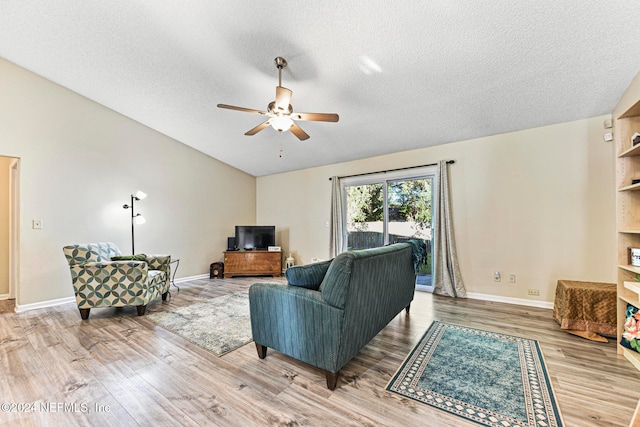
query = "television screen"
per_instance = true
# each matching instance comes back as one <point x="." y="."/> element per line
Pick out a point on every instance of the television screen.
<point x="255" y="236"/>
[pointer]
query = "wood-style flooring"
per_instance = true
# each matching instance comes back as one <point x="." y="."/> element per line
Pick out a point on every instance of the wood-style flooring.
<point x="120" y="369"/>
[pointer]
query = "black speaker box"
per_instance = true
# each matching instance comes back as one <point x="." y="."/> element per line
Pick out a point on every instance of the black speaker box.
<point x="231" y="243"/>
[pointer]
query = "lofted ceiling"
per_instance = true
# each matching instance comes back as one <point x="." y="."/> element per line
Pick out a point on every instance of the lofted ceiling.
<point x="401" y="75"/>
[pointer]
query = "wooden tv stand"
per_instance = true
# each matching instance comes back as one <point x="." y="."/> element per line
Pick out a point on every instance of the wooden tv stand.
<point x="252" y="263"/>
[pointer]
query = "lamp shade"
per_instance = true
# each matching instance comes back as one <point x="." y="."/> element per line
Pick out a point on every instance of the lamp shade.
<point x="141" y="195"/>
<point x="139" y="219"/>
<point x="280" y="123"/>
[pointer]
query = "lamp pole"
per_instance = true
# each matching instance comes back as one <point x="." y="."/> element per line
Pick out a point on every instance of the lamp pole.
<point x="135" y="217"/>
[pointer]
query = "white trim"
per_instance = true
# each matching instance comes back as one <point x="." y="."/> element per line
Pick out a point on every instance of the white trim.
<point x="510" y="300"/>
<point x="4" y="296"/>
<point x="44" y="304"/>
<point x="186" y="279"/>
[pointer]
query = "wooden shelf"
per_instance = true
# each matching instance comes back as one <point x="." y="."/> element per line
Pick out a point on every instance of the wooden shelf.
<point x="631" y="152"/>
<point x="630" y="268"/>
<point x="628" y="300"/>
<point x="634" y="187"/>
<point x="630" y="355"/>
<point x="633" y="111"/>
<point x="629" y="231"/>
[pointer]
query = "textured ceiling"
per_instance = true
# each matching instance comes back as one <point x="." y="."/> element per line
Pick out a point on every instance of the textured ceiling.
<point x="401" y="75"/>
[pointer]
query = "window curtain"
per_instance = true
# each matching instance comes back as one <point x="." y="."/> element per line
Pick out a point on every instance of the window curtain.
<point x="447" y="279"/>
<point x="336" y="245"/>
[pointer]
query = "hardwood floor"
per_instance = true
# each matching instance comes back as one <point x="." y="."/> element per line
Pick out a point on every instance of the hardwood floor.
<point x="120" y="369"/>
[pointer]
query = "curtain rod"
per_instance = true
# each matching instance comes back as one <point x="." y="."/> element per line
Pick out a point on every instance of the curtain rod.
<point x="392" y="170"/>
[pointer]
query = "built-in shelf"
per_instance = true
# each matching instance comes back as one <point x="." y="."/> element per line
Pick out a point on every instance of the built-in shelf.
<point x="626" y="124"/>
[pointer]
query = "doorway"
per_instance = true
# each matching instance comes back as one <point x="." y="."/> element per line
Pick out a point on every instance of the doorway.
<point x="382" y="209"/>
<point x="9" y="227"/>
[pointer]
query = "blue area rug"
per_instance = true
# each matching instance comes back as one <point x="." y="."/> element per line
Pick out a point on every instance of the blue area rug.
<point x="488" y="378"/>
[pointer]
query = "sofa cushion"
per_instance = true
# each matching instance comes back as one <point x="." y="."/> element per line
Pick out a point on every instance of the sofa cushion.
<point x="335" y="282"/>
<point x="308" y="276"/>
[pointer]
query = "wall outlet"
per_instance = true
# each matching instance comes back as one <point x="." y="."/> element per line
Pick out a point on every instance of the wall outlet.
<point x="534" y="292"/>
<point x="496" y="276"/>
<point x="512" y="278"/>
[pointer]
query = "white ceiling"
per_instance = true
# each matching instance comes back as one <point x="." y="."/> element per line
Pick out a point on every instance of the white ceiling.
<point x="401" y="75"/>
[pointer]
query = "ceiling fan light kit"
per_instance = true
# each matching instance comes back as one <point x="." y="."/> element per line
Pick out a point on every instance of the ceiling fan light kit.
<point x="280" y="111"/>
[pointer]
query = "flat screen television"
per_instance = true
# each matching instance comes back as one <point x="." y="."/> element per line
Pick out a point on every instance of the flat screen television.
<point x="251" y="237"/>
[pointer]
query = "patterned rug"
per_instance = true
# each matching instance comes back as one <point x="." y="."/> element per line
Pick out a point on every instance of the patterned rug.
<point x="488" y="378"/>
<point x="220" y="325"/>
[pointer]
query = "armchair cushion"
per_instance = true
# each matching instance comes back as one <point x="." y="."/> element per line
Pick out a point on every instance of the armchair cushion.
<point x="307" y="276"/>
<point x="138" y="257"/>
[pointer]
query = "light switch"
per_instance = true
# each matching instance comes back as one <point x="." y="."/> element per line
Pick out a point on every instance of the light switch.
<point x="37" y="224"/>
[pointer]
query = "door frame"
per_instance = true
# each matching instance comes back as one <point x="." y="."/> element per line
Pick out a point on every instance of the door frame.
<point x="14" y="229"/>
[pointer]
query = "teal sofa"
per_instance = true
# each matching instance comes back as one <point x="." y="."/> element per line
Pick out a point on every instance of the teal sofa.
<point x="329" y="310"/>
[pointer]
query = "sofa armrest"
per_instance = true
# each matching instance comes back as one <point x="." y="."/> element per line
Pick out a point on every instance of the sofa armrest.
<point x="159" y="262"/>
<point x="110" y="274"/>
<point x="307" y="276"/>
<point x="296" y="321"/>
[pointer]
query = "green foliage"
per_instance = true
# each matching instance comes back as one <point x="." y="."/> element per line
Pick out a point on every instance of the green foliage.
<point x="408" y="200"/>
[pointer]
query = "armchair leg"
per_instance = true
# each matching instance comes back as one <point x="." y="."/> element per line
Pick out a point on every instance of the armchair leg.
<point x="407" y="308"/>
<point x="164" y="296"/>
<point x="332" y="379"/>
<point x="141" y="309"/>
<point x="262" y="350"/>
<point x="84" y="313"/>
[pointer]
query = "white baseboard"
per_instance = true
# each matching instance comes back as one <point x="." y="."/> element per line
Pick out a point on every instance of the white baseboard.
<point x="4" y="296"/>
<point x="51" y="303"/>
<point x="44" y="304"/>
<point x="186" y="279"/>
<point x="510" y="300"/>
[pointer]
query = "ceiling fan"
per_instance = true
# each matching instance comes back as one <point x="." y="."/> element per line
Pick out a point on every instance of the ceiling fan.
<point x="280" y="111"/>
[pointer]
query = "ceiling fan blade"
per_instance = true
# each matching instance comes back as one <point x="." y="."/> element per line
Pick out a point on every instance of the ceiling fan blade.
<point x="258" y="128"/>
<point x="297" y="131"/>
<point x="246" y="110"/>
<point x="283" y="98"/>
<point x="316" y="117"/>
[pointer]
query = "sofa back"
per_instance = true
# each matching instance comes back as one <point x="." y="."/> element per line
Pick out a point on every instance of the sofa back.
<point x="90" y="252"/>
<point x="372" y="286"/>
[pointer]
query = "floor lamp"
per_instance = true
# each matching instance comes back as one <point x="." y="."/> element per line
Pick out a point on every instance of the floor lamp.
<point x="136" y="218"/>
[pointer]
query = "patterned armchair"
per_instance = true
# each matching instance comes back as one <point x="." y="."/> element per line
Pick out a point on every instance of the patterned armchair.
<point x="99" y="281"/>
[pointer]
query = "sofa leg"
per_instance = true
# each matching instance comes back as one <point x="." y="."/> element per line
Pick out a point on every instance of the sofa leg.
<point x="164" y="296"/>
<point x="141" y="309"/>
<point x="262" y="350"/>
<point x="407" y="308"/>
<point x="84" y="313"/>
<point x="332" y="379"/>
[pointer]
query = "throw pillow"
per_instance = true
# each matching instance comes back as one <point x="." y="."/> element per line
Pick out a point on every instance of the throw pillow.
<point x="307" y="276"/>
<point x="631" y="335"/>
<point x="137" y="257"/>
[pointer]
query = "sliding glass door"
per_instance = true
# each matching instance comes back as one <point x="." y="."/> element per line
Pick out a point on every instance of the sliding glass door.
<point x="391" y="208"/>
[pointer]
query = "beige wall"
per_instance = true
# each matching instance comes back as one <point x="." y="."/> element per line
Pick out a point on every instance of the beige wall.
<point x="537" y="203"/>
<point x="5" y="162"/>
<point x="81" y="161"/>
